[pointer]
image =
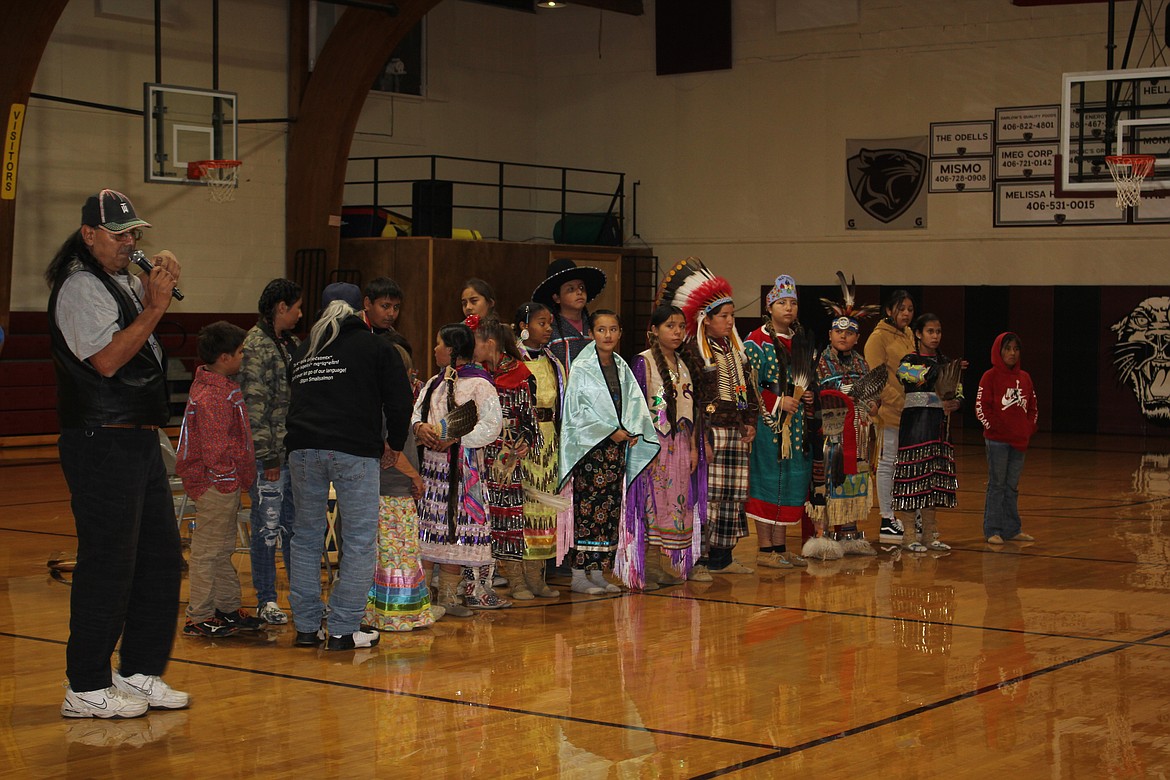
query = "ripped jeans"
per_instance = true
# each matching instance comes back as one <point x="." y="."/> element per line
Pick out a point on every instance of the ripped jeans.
<point x="272" y="518"/>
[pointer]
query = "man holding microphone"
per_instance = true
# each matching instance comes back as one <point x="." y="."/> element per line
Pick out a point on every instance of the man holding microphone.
<point x="111" y="399"/>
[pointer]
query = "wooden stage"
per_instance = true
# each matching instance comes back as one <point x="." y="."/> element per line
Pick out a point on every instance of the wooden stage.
<point x="1046" y="660"/>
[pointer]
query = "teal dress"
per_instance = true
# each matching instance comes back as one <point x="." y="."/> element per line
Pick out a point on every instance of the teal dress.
<point x="779" y="485"/>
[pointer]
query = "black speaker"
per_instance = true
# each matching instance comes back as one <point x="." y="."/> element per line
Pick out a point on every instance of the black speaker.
<point x="692" y="36"/>
<point x="431" y="204"/>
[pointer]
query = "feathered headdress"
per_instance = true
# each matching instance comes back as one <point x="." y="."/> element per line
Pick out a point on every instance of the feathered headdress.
<point x="847" y="315"/>
<point x="699" y="293"/>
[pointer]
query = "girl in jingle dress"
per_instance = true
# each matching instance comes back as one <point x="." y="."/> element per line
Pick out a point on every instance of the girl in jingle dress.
<point x="495" y="350"/>
<point x="542" y="521"/>
<point x="454" y="528"/>
<point x="924" y="476"/>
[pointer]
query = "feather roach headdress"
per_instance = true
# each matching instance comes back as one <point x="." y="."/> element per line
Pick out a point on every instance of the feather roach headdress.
<point x="847" y="315"/>
<point x="699" y="293"/>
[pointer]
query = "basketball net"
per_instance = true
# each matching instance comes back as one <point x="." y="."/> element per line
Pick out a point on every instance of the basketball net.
<point x="1129" y="171"/>
<point x="220" y="176"/>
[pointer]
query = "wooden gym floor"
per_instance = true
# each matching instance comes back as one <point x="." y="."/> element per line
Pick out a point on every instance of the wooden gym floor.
<point x="1051" y="659"/>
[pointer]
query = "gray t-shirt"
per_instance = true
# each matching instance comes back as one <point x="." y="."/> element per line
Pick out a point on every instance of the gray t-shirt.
<point x="88" y="316"/>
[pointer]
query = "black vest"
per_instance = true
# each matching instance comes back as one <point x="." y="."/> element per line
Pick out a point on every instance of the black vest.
<point x="136" y="393"/>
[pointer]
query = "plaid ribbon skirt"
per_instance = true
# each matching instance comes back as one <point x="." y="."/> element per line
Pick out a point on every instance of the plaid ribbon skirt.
<point x="727" y="488"/>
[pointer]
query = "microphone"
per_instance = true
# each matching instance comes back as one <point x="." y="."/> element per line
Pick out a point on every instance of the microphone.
<point x="139" y="258"/>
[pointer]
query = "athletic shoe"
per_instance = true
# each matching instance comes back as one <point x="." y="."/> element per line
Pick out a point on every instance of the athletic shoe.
<point x="699" y="573"/>
<point x="995" y="539"/>
<point x="915" y="547"/>
<point x="241" y="620"/>
<point x="110" y="702"/>
<point x="1023" y="537"/>
<point x="352" y="641"/>
<point x="309" y="638"/>
<point x="735" y="567"/>
<point x="936" y="544"/>
<point x="151" y="687"/>
<point x="891" y="530"/>
<point x="213" y="627"/>
<point x="271" y="613"/>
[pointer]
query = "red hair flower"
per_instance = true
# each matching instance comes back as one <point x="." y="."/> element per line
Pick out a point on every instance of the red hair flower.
<point x="472" y="321"/>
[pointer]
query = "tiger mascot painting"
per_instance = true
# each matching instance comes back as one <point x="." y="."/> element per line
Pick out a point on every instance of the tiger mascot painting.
<point x="1141" y="356"/>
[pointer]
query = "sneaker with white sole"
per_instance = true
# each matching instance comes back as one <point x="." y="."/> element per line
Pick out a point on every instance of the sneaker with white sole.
<point x="271" y="613"/>
<point x="151" y="687"/>
<point x="352" y="641"/>
<point x="112" y="702"/>
<point x="891" y="530"/>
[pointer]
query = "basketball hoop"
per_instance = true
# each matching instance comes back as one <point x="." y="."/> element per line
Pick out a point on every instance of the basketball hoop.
<point x="1129" y="171"/>
<point x="220" y="176"/>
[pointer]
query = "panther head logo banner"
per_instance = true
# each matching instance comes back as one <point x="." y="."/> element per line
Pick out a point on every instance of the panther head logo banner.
<point x="885" y="181"/>
<point x="1141" y="356"/>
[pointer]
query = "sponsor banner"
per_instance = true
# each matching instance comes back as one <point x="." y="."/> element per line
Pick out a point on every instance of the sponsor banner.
<point x="1088" y="122"/>
<point x="883" y="180"/>
<point x="1035" y="204"/>
<point x="1092" y="153"/>
<point x="1027" y="124"/>
<point x="1025" y="161"/>
<point x="961" y="174"/>
<point x="960" y="139"/>
<point x="1150" y="209"/>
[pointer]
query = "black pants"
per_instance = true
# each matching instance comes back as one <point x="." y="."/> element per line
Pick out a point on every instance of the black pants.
<point x="126" y="583"/>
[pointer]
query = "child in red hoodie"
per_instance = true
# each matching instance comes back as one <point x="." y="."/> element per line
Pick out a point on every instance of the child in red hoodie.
<point x="216" y="463"/>
<point x="1006" y="406"/>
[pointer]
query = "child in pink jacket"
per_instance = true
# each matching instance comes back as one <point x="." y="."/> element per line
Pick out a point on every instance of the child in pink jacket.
<point x="1006" y="406"/>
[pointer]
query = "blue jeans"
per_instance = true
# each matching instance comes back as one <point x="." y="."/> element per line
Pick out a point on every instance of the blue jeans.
<point x="272" y="521"/>
<point x="1001" y="514"/>
<point x="355" y="480"/>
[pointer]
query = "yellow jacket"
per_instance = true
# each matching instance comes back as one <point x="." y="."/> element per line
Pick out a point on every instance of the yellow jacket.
<point x="889" y="345"/>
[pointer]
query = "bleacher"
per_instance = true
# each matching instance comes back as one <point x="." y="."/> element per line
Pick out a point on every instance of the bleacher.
<point x="28" y="387"/>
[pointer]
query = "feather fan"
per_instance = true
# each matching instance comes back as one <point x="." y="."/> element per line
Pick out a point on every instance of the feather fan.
<point x="801" y="358"/>
<point x="946" y="384"/>
<point x="869" y="387"/>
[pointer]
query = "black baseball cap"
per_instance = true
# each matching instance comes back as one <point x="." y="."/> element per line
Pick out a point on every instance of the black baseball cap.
<point x="111" y="210"/>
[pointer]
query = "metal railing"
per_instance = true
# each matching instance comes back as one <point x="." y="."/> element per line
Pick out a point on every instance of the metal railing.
<point x="491" y="186"/>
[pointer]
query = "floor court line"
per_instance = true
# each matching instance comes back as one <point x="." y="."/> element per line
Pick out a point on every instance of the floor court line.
<point x="850" y="732"/>
<point x="920" y="621"/>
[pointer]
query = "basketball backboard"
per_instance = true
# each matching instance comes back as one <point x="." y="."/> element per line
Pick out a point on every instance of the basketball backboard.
<point x="1108" y="113"/>
<point x="185" y="124"/>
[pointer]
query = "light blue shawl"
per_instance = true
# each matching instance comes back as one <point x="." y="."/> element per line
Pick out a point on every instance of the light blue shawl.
<point x="590" y="416"/>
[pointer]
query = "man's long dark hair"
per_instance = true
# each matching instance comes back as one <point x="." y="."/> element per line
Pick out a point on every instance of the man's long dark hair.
<point x="74" y="247"/>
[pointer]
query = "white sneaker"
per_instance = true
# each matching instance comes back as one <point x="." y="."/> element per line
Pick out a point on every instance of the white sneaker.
<point x="352" y="641"/>
<point x="111" y="702"/>
<point x="151" y="687"/>
<point x="271" y="613"/>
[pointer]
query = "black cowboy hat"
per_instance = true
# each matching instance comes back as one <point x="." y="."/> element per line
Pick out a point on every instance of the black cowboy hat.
<point x="564" y="270"/>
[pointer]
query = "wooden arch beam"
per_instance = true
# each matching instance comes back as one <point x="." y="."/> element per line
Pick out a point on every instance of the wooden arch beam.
<point x="322" y="131"/>
<point x="28" y="27"/>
